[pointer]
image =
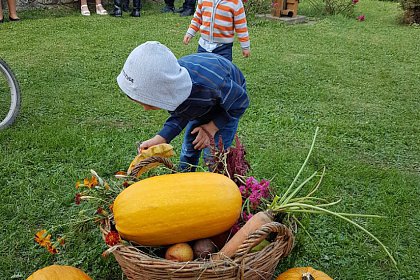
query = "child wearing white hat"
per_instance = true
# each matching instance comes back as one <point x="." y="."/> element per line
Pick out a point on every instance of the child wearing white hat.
<point x="203" y="93"/>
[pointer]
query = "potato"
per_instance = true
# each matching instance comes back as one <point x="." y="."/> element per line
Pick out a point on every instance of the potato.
<point x="203" y="248"/>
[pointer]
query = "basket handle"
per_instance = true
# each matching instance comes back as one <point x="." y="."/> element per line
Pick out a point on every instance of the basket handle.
<point x="153" y="159"/>
<point x="259" y="235"/>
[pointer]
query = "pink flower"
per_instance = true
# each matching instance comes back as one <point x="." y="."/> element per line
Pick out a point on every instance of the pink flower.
<point x="243" y="190"/>
<point x="361" y="18"/>
<point x="246" y="217"/>
<point x="254" y="198"/>
<point x="251" y="181"/>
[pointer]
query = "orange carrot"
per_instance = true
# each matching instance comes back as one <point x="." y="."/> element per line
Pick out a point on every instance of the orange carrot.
<point x="253" y="224"/>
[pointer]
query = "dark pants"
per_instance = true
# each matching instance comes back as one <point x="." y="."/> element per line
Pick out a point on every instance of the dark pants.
<point x="188" y="4"/>
<point x="224" y="50"/>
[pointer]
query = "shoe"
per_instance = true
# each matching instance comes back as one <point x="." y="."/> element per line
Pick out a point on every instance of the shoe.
<point x="2" y="20"/>
<point x="187" y="12"/>
<point x="100" y="10"/>
<point x="180" y="10"/>
<point x="117" y="9"/>
<point x="117" y="12"/>
<point x="84" y="10"/>
<point x="136" y="8"/>
<point x="135" y="13"/>
<point x="168" y="9"/>
<point x="12" y="19"/>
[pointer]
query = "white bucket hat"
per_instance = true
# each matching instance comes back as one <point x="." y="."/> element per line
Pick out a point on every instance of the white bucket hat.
<point x="153" y="76"/>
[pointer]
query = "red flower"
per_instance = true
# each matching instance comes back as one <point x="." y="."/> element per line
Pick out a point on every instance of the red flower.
<point x="52" y="249"/>
<point x="101" y="211"/>
<point x="361" y="18"/>
<point x="112" y="238"/>
<point x="77" y="198"/>
<point x="355" y="2"/>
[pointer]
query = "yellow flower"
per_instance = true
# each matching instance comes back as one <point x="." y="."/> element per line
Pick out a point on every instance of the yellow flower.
<point x="43" y="238"/>
<point x="90" y="183"/>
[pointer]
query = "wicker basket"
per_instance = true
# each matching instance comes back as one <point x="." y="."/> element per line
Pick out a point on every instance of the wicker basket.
<point x="138" y="265"/>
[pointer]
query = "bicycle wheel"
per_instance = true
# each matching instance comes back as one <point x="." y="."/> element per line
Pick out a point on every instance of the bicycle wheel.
<point x="9" y="96"/>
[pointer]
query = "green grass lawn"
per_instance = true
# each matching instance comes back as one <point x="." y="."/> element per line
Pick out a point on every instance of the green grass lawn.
<point x="358" y="81"/>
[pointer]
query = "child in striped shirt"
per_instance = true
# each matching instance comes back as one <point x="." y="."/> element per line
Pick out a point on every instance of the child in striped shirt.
<point x="204" y="93"/>
<point x="217" y="21"/>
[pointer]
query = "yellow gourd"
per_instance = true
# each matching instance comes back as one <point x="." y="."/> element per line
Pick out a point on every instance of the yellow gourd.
<point x="59" y="272"/>
<point x="303" y="273"/>
<point x="161" y="150"/>
<point x="177" y="208"/>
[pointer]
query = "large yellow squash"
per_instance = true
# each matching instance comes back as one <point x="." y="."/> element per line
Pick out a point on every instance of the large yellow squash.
<point x="177" y="208"/>
<point x="59" y="272"/>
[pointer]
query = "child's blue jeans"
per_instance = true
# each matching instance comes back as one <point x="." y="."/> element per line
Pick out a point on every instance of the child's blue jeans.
<point x="224" y="50"/>
<point x="190" y="156"/>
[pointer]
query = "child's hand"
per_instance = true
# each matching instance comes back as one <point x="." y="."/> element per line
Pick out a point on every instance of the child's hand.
<point x="187" y="39"/>
<point x="246" y="52"/>
<point x="151" y="142"/>
<point x="202" y="140"/>
<point x="205" y="133"/>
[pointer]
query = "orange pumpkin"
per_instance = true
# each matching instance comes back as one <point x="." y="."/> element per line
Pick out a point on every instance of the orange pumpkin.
<point x="303" y="273"/>
<point x="59" y="272"/>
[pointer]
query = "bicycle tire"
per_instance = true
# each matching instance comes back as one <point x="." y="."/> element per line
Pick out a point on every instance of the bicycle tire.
<point x="7" y="73"/>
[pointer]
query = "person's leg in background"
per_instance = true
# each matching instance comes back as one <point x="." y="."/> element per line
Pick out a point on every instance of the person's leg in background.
<point x="187" y="9"/>
<point x="169" y="6"/>
<point x="84" y="10"/>
<point x="1" y="13"/>
<point x="12" y="10"/>
<point x="100" y="10"/>
<point x="136" y="8"/>
<point x="117" y="9"/>
<point x="125" y="5"/>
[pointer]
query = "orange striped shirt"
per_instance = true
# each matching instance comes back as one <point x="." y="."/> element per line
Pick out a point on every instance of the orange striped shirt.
<point x="219" y="20"/>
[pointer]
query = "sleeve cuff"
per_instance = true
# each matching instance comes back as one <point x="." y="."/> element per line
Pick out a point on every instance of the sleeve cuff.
<point x="245" y="45"/>
<point x="168" y="133"/>
<point x="221" y="120"/>
<point x="191" y="32"/>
